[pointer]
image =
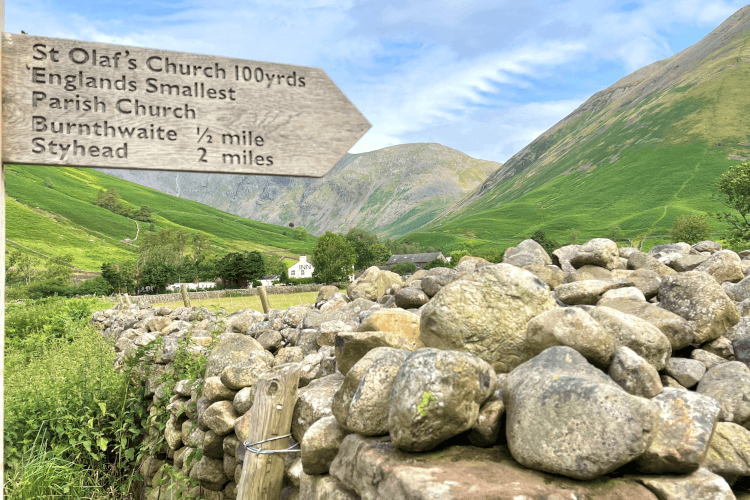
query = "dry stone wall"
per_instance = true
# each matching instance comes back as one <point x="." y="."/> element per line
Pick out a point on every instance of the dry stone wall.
<point x="594" y="372"/>
<point x="162" y="298"/>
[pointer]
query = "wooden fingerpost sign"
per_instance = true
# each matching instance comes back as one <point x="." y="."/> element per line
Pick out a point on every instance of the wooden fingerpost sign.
<point x="83" y="104"/>
<point x="270" y="425"/>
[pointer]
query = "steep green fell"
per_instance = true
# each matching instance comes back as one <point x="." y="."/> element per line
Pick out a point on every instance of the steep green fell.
<point x="637" y="154"/>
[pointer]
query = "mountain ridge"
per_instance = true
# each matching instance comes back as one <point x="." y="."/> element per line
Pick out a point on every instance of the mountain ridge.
<point x="390" y="191"/>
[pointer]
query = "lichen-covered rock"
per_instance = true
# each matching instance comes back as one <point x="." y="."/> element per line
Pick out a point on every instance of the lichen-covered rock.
<point x="551" y="275"/>
<point x="375" y="469"/>
<point x="641" y="260"/>
<point x="210" y="473"/>
<point x="213" y="445"/>
<point x="314" y="402"/>
<point x="566" y="417"/>
<point x="572" y="327"/>
<point x="676" y="328"/>
<point x="724" y="265"/>
<point x="220" y="417"/>
<point x="526" y="253"/>
<point x="701" y="484"/>
<point x="686" y="423"/>
<point x="320" y="445"/>
<point x="628" y="293"/>
<point x="729" y="451"/>
<point x="361" y="403"/>
<point x="635" y="374"/>
<point x="326" y="487"/>
<point x="214" y="390"/>
<point x="352" y="346"/>
<point x="729" y="384"/>
<point x="411" y="298"/>
<point x="687" y="372"/>
<point x="485" y="313"/>
<point x="232" y="348"/>
<point x="398" y="321"/>
<point x="372" y="284"/>
<point x="245" y="373"/>
<point x="437" y="395"/>
<point x="637" y="334"/>
<point x="588" y="292"/>
<point x="707" y="358"/>
<point x="597" y="252"/>
<point x="697" y="297"/>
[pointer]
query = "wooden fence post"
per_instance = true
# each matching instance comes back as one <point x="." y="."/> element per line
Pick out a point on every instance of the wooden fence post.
<point x="263" y="298"/>
<point x="275" y="397"/>
<point x="185" y="298"/>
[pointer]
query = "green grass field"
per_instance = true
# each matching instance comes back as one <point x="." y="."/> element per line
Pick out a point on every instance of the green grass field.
<point x="232" y="304"/>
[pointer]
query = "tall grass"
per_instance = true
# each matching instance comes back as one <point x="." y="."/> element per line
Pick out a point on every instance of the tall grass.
<point x="71" y="421"/>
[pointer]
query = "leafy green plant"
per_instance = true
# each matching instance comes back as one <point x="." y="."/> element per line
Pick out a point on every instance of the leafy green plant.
<point x="404" y="268"/>
<point x="690" y="228"/>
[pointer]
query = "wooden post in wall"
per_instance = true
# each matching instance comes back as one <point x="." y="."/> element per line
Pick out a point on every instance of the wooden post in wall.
<point x="275" y="397"/>
<point x="184" y="293"/>
<point x="263" y="299"/>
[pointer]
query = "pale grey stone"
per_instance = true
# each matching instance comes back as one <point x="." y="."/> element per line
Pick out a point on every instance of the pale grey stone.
<point x="566" y="417"/>
<point x="437" y="395"/>
<point x="485" y="313"/>
<point x="635" y="374"/>
<point x="686" y="423"/>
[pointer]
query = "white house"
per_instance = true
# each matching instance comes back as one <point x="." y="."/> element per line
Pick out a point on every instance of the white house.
<point x="269" y="280"/>
<point x="301" y="269"/>
<point x="203" y="285"/>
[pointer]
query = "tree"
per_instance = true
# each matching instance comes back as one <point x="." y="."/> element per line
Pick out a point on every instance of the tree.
<point x="299" y="233"/>
<point x="119" y="276"/>
<point x="201" y="243"/>
<point x="690" y="228"/>
<point x="333" y="258"/>
<point x="242" y="268"/>
<point x="143" y="214"/>
<point x="734" y="192"/>
<point x="404" y="268"/>
<point x="615" y="233"/>
<point x="20" y="265"/>
<point x="380" y="254"/>
<point x="109" y="199"/>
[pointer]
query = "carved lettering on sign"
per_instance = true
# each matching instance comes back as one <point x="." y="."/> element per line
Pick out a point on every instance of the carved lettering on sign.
<point x="88" y="104"/>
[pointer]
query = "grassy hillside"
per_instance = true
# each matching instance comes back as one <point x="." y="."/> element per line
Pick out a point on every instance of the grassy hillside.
<point x="50" y="211"/>
<point x="638" y="154"/>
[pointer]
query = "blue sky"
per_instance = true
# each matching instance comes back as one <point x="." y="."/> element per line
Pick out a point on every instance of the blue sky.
<point x="485" y="77"/>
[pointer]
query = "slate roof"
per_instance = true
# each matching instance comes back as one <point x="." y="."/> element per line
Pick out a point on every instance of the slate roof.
<point x="417" y="258"/>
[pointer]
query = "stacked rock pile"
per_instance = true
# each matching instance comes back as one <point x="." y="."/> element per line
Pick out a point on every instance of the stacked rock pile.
<point x="596" y="372"/>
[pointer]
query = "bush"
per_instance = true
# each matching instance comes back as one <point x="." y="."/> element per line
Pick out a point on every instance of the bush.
<point x="541" y="238"/>
<point x="404" y="268"/>
<point x="94" y="286"/>
<point x="690" y="228"/>
<point x="436" y="263"/>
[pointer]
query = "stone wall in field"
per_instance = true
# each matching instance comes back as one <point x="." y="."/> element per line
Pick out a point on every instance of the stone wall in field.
<point x="215" y="294"/>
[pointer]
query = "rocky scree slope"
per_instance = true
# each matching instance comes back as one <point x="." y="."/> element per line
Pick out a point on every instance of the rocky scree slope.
<point x="595" y="372"/>
<point x="390" y="191"/>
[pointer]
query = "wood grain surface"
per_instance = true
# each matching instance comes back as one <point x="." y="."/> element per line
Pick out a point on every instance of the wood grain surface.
<point x="76" y="103"/>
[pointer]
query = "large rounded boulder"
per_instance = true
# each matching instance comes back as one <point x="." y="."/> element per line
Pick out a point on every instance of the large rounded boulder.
<point x="485" y="313"/>
<point x="566" y="417"/>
